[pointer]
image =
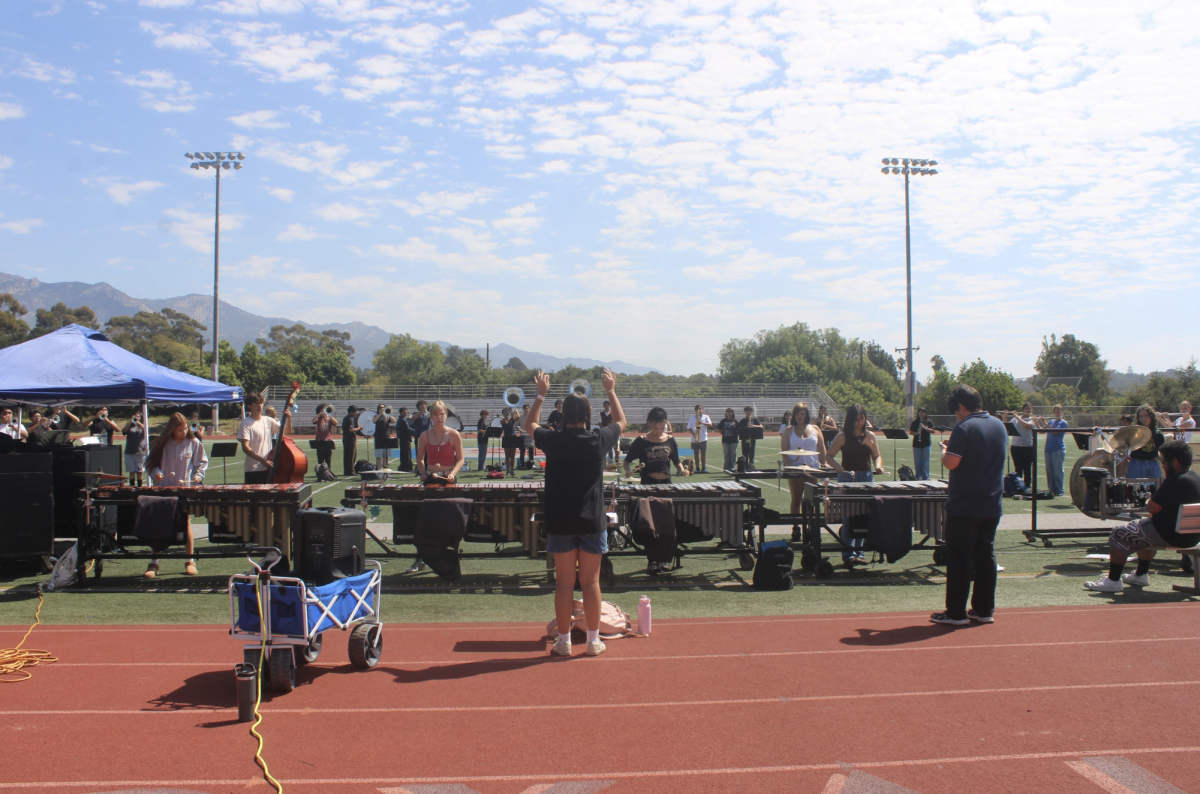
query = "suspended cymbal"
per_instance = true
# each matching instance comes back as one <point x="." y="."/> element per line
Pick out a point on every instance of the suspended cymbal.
<point x="796" y="452"/>
<point x="99" y="475"/>
<point x="1132" y="437"/>
<point x="1100" y="459"/>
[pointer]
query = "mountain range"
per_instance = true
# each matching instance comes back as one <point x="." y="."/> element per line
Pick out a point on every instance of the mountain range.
<point x="239" y="326"/>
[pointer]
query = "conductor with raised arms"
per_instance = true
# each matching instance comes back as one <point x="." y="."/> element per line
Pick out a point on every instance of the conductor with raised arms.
<point x="576" y="524"/>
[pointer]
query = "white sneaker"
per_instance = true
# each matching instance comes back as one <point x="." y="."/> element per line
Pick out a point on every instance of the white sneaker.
<point x="596" y="648"/>
<point x="1135" y="580"/>
<point x="561" y="648"/>
<point x="1104" y="585"/>
<point x="416" y="567"/>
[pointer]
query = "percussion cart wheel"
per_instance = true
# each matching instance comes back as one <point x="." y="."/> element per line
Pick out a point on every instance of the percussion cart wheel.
<point x="746" y="560"/>
<point x="366" y="645"/>
<point x="824" y="569"/>
<point x="311" y="652"/>
<point x="98" y="570"/>
<point x="939" y="555"/>
<point x="809" y="559"/>
<point x="283" y="670"/>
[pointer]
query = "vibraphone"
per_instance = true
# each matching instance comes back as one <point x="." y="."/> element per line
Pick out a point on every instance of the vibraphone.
<point x="503" y="511"/>
<point x="831" y="502"/>
<point x="724" y="509"/>
<point x="259" y="514"/>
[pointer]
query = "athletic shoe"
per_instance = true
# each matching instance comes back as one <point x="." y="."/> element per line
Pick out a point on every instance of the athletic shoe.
<point x="189" y="568"/>
<point x="596" y="648"/>
<point x="561" y="648"/>
<point x="704" y="471"/>
<point x="944" y="618"/>
<point x="1104" y="585"/>
<point x="1135" y="580"/>
<point x="416" y="567"/>
<point x="797" y="537"/>
<point x="978" y="618"/>
<point x="151" y="570"/>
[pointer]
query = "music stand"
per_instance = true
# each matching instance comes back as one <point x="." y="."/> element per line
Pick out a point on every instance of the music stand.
<point x="1012" y="429"/>
<point x="60" y="437"/>
<point x="1082" y="440"/>
<point x="894" y="434"/>
<point x="754" y="433"/>
<point x="490" y="433"/>
<point x="829" y="435"/>
<point x="224" y="449"/>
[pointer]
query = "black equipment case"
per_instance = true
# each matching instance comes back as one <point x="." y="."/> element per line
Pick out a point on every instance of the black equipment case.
<point x="27" y="493"/>
<point x="331" y="544"/>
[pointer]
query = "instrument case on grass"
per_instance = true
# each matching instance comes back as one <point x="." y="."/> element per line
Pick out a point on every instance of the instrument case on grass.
<point x="331" y="544"/>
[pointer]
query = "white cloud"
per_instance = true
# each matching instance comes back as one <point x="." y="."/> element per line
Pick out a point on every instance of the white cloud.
<point x="284" y="56"/>
<point x="195" y="229"/>
<point x="106" y="149"/>
<point x="44" y="72"/>
<point x="282" y="193"/>
<point x="255" y="7"/>
<point x="519" y="220"/>
<point x="343" y="212"/>
<point x="126" y="192"/>
<point x="307" y="156"/>
<point x="167" y="37"/>
<point x="5" y="162"/>
<point x="10" y="111"/>
<point x="165" y="3"/>
<point x="530" y="81"/>
<point x="296" y="231"/>
<point x="24" y="226"/>
<point x="446" y="203"/>
<point x="162" y="91"/>
<point x="258" y="120"/>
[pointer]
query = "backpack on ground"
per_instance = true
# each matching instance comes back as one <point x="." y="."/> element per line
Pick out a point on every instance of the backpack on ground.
<point x="363" y="465"/>
<point x="614" y="622"/>
<point x="906" y="473"/>
<point x="324" y="474"/>
<point x="1013" y="484"/>
<point x="773" y="571"/>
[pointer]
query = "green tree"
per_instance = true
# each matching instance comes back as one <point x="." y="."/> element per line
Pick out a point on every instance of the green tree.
<point x="60" y="315"/>
<point x="13" y="330"/>
<point x="937" y="390"/>
<point x="327" y="366"/>
<point x="997" y="388"/>
<point x="937" y="363"/>
<point x="404" y="360"/>
<point x="1074" y="358"/>
<point x="168" y="338"/>
<point x="321" y="357"/>
<point x="1165" y="390"/>
<point x="516" y="364"/>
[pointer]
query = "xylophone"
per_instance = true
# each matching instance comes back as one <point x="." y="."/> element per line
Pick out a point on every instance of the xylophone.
<point x="259" y="514"/>
<point x="843" y="499"/>
<point x="716" y="508"/>
<point x="503" y="511"/>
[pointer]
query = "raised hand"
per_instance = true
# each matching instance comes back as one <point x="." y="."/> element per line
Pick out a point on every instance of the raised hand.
<point x="608" y="380"/>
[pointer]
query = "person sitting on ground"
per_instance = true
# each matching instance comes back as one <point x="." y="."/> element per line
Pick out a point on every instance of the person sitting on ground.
<point x="1147" y="535"/>
<point x="656" y="450"/>
<point x="177" y="458"/>
<point x="576" y="521"/>
<point x="861" y="461"/>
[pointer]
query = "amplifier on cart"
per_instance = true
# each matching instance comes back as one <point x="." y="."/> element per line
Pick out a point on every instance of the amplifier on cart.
<point x="331" y="544"/>
<point x="27" y="493"/>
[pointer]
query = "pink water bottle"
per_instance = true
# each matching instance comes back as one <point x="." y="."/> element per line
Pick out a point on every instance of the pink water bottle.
<point x="644" y="615"/>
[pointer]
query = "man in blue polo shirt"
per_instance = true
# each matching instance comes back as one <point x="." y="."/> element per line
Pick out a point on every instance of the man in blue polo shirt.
<point x="975" y="457"/>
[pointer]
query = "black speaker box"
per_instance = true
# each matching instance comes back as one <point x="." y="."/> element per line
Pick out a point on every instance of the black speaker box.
<point x="68" y="516"/>
<point x="331" y="544"/>
<point x="27" y="493"/>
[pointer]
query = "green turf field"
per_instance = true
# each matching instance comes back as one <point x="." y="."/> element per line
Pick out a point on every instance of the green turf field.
<point x="514" y="587"/>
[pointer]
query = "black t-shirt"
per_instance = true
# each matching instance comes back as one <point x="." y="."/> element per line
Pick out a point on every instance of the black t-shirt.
<point x="404" y="431"/>
<point x="36" y="432"/>
<point x="574" y="495"/>
<point x="134" y="439"/>
<point x="920" y="429"/>
<point x="98" y="427"/>
<point x="509" y="428"/>
<point x="382" y="423"/>
<point x="481" y="430"/>
<point x="1176" y="490"/>
<point x="555" y="419"/>
<point x="656" y="457"/>
<point x="348" y="425"/>
<point x="728" y="428"/>
<point x="1150" y="451"/>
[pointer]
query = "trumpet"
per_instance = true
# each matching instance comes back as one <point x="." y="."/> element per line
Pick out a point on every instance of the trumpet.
<point x="581" y="386"/>
<point x="387" y="410"/>
<point x="329" y="410"/>
<point x="513" y="397"/>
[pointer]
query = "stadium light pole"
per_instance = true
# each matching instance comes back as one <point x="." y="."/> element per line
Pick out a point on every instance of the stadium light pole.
<point x="915" y="167"/>
<point x="218" y="161"/>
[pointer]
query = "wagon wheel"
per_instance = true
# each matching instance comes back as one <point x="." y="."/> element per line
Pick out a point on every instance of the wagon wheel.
<point x="824" y="569"/>
<point x="939" y="555"/>
<point x="746" y="560"/>
<point x="283" y="671"/>
<point x="366" y="645"/>
<point x="808" y="559"/>
<point x="311" y="652"/>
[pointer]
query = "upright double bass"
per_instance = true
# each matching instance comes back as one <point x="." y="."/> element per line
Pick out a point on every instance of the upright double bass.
<point x="288" y="463"/>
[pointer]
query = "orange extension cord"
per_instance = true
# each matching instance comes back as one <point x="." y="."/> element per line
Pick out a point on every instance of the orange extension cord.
<point x="14" y="661"/>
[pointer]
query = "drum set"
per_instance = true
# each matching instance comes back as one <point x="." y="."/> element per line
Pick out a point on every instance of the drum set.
<point x="1097" y="487"/>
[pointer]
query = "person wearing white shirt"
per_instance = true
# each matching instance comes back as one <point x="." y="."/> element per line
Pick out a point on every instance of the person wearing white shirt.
<point x="1184" y="422"/>
<point x="8" y="427"/>
<point x="177" y="458"/>
<point x="699" y="423"/>
<point x="256" y="433"/>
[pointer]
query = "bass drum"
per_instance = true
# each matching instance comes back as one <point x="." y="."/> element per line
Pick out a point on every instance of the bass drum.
<point x="453" y="420"/>
<point x="1100" y="459"/>
<point x="367" y="427"/>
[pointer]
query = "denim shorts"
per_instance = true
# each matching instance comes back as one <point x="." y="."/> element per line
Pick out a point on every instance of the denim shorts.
<point x="596" y="543"/>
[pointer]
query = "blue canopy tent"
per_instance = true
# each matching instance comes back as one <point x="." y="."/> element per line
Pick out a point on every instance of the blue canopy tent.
<point x="79" y="366"/>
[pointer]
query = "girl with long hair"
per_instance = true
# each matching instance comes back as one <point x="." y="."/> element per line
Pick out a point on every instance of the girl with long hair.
<point x="656" y="449"/>
<point x="1143" y="463"/>
<point x="861" y="461"/>
<point x="177" y="458"/>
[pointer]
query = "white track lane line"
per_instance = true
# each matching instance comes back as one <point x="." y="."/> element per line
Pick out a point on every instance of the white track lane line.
<point x="558" y="776"/>
<point x="779" y="700"/>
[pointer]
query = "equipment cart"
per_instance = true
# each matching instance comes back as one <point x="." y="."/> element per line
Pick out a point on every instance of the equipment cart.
<point x="289" y="632"/>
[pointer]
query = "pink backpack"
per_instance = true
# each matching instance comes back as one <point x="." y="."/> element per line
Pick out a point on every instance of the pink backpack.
<point x="614" y="622"/>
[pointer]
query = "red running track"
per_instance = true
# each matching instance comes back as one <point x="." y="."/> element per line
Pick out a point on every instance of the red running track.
<point x="1087" y="700"/>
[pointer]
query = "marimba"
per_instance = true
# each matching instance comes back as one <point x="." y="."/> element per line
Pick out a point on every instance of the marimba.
<point x="839" y="500"/>
<point x="503" y="511"/>
<point x="717" y="508"/>
<point x="259" y="514"/>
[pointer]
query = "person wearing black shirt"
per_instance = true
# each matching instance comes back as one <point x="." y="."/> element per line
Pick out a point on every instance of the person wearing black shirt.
<point x="136" y="449"/>
<point x="404" y="438"/>
<point x="481" y="439"/>
<point x="38" y="425"/>
<point x="103" y="427"/>
<point x="748" y="444"/>
<point x="656" y="450"/>
<point x="575" y="518"/>
<point x="384" y="422"/>
<point x="605" y="421"/>
<point x="1143" y="462"/>
<point x="1146" y="535"/>
<point x="555" y="419"/>
<point x="729" y="427"/>
<point x="509" y="421"/>
<point x="421" y="422"/>
<point x="350" y="434"/>
<point x="527" y="440"/>
<point x="61" y="419"/>
<point x="921" y="442"/>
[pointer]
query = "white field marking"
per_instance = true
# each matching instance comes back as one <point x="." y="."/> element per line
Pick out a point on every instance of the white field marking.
<point x="834" y="785"/>
<point x="558" y="776"/>
<point x="1099" y="778"/>
<point x="608" y="706"/>
<point x="684" y="657"/>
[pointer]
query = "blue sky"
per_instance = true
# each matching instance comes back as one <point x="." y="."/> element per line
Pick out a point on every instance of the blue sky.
<point x="634" y="180"/>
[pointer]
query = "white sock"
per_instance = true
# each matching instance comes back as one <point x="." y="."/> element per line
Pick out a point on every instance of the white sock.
<point x="593" y="636"/>
<point x="191" y="560"/>
<point x="564" y="638"/>
<point x="154" y="561"/>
